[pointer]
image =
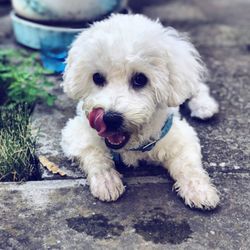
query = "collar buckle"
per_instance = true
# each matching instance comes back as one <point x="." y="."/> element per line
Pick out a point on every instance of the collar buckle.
<point x="148" y="146"/>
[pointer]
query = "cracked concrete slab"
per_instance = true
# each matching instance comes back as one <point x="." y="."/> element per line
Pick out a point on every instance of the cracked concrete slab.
<point x="61" y="214"/>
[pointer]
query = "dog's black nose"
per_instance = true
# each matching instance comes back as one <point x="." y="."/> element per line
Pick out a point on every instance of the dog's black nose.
<point x="113" y="120"/>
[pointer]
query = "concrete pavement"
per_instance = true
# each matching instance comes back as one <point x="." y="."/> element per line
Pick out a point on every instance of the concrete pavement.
<point x="62" y="214"/>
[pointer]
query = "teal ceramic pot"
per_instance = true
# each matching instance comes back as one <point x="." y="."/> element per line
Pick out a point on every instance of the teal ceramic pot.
<point x="33" y="35"/>
<point x="53" y="42"/>
<point x="66" y="10"/>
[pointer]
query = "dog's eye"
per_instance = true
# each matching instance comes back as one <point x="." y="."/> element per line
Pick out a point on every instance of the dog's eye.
<point x="139" y="80"/>
<point x="99" y="79"/>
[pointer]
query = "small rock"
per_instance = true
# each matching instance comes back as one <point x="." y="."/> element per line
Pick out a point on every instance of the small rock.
<point x="212" y="164"/>
<point x="212" y="232"/>
<point x="222" y="164"/>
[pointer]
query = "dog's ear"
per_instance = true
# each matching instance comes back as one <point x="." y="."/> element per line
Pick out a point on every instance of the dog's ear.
<point x="184" y="65"/>
<point x="74" y="79"/>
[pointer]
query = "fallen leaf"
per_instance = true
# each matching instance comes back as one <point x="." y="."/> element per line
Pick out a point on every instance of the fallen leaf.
<point x="52" y="167"/>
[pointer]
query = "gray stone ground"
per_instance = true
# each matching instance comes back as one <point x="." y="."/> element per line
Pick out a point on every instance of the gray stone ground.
<point x="60" y="213"/>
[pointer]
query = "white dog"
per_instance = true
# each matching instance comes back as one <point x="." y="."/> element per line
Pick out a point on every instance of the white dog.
<point x="131" y="74"/>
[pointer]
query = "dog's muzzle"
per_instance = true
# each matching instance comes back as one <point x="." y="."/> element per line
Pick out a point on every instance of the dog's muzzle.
<point x="109" y="125"/>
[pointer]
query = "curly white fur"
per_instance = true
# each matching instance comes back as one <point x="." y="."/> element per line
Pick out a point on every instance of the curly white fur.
<point x="118" y="47"/>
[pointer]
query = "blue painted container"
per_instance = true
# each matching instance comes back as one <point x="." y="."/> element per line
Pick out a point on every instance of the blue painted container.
<point x="33" y="35"/>
<point x="52" y="41"/>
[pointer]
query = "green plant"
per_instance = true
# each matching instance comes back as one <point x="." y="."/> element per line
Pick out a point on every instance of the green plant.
<point x="22" y="78"/>
<point x="18" y="161"/>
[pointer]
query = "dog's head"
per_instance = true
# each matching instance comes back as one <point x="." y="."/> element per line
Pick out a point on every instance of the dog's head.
<point x="126" y="68"/>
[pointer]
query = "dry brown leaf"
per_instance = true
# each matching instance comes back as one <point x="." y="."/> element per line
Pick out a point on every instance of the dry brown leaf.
<point x="52" y="167"/>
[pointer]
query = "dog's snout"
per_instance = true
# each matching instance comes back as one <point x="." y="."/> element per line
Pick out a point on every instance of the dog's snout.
<point x="113" y="120"/>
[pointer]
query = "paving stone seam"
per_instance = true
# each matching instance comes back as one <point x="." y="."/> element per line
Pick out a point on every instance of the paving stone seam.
<point x="74" y="182"/>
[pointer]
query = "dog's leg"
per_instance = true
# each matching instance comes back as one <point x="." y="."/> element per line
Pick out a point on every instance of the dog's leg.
<point x="105" y="182"/>
<point x="79" y="142"/>
<point x="203" y="105"/>
<point x="180" y="153"/>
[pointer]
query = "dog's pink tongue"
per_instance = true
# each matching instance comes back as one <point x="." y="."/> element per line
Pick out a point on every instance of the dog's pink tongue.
<point x="96" y="121"/>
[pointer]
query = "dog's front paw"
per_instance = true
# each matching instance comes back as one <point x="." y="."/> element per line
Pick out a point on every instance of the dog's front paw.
<point x="106" y="185"/>
<point x="198" y="193"/>
<point x="203" y="107"/>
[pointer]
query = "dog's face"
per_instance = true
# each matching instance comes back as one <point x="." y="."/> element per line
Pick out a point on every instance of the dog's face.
<point x="126" y="68"/>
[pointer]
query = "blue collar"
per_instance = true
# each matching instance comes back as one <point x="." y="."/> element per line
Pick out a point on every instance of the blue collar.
<point x="150" y="145"/>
